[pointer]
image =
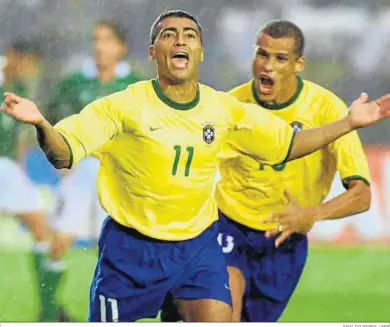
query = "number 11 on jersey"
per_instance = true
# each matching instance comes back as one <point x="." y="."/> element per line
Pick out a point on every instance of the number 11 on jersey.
<point x="190" y="155"/>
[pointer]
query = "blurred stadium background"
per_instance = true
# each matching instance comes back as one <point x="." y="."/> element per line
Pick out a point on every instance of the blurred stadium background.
<point x="347" y="277"/>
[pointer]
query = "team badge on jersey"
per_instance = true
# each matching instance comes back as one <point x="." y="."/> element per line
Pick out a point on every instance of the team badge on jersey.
<point x="208" y="134"/>
<point x="296" y="125"/>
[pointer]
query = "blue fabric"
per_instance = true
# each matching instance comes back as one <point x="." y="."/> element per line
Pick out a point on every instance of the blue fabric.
<point x="271" y="273"/>
<point x="139" y="273"/>
<point x="39" y="169"/>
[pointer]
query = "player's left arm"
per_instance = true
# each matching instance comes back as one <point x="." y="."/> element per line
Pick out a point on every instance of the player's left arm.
<point x="353" y="168"/>
<point x="269" y="139"/>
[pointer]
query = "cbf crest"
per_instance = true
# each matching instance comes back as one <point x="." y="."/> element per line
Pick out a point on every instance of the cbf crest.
<point x="208" y="134"/>
<point x="296" y="125"/>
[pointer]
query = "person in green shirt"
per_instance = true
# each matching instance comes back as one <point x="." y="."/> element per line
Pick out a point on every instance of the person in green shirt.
<point x="79" y="213"/>
<point x="20" y="197"/>
<point x="105" y="74"/>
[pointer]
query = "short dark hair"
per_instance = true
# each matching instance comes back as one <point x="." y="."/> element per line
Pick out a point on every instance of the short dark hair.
<point x="172" y="13"/>
<point x="26" y="46"/>
<point x="117" y="28"/>
<point x="284" y="28"/>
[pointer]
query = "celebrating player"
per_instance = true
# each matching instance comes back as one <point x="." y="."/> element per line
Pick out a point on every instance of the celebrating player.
<point x="264" y="270"/>
<point x="158" y="142"/>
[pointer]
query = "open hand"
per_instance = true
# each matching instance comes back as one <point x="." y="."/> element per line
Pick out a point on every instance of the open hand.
<point x="294" y="219"/>
<point x="363" y="113"/>
<point x="21" y="109"/>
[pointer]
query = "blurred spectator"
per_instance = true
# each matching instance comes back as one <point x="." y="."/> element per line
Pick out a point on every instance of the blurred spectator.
<point x="19" y="196"/>
<point x="106" y="73"/>
<point x="79" y="211"/>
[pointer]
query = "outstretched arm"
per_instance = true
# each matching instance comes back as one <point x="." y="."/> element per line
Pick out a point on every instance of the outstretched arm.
<point x="54" y="145"/>
<point x="268" y="139"/>
<point x="73" y="138"/>
<point x="361" y="114"/>
<point x="50" y="141"/>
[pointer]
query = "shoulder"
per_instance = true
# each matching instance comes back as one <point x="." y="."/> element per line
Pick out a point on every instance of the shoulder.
<point x="139" y="88"/>
<point x="321" y="93"/>
<point x="130" y="98"/>
<point x="243" y="91"/>
<point x="220" y="99"/>
<point x="329" y="106"/>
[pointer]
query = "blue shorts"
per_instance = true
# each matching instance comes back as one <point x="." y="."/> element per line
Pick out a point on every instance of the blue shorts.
<point x="271" y="273"/>
<point x="136" y="274"/>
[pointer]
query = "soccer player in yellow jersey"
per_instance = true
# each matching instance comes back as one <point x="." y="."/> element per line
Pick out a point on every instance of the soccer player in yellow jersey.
<point x="158" y="145"/>
<point x="265" y="252"/>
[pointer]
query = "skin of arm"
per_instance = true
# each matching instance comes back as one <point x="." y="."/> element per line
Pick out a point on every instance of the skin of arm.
<point x="356" y="199"/>
<point x="308" y="141"/>
<point x="53" y="145"/>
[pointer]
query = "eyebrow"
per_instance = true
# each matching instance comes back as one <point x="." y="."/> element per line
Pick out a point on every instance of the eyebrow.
<point x="174" y="29"/>
<point x="259" y="48"/>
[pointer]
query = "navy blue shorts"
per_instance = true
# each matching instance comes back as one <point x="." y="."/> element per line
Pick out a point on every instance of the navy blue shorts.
<point x="271" y="274"/>
<point x="136" y="274"/>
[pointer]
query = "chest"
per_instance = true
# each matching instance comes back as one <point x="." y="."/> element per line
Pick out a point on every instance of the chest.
<point x="181" y="136"/>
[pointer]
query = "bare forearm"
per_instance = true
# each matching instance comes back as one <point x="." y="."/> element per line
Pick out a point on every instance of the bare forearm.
<point x="53" y="145"/>
<point x="355" y="200"/>
<point x="311" y="140"/>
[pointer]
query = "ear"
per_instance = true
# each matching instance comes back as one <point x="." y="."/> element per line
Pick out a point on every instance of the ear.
<point x="152" y="52"/>
<point x="201" y="54"/>
<point x="124" y="51"/>
<point x="300" y="64"/>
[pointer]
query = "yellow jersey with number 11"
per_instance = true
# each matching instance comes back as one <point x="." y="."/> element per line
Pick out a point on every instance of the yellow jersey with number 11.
<point x="158" y="158"/>
<point x="248" y="192"/>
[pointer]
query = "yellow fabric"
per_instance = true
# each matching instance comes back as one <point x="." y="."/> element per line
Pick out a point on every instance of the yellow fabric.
<point x="158" y="164"/>
<point x="249" y="192"/>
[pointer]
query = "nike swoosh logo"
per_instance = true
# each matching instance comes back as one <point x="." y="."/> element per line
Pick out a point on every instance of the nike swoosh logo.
<point x="152" y="129"/>
<point x="227" y="287"/>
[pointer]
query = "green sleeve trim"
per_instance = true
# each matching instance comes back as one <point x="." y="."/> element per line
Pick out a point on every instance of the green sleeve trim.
<point x="289" y="148"/>
<point x="70" y="150"/>
<point x="354" y="177"/>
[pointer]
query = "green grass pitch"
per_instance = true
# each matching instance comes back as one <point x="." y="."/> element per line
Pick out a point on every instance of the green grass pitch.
<point x="338" y="285"/>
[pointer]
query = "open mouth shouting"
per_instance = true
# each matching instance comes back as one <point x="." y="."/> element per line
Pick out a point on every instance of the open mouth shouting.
<point x="265" y="84"/>
<point x="180" y="59"/>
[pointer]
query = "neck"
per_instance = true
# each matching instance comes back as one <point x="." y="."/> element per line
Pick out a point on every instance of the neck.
<point x="30" y="73"/>
<point x="179" y="92"/>
<point x="288" y="91"/>
<point x="105" y="73"/>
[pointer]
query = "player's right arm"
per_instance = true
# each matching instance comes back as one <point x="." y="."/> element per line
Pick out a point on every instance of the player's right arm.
<point x="73" y="138"/>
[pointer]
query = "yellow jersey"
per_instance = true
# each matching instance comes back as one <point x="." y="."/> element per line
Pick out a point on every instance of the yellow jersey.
<point x="249" y="192"/>
<point x="158" y="158"/>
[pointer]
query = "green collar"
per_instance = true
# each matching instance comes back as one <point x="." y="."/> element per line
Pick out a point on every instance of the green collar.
<point x="277" y="106"/>
<point x="173" y="104"/>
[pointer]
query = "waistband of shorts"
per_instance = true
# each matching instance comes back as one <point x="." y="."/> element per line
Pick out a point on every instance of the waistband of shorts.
<point x="241" y="227"/>
<point x="135" y="233"/>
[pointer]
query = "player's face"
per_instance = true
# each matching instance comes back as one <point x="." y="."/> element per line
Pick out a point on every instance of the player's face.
<point x="108" y="49"/>
<point x="275" y="64"/>
<point x="177" y="50"/>
<point x="12" y="61"/>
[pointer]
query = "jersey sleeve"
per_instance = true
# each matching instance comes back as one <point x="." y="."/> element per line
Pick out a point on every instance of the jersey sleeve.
<point x="347" y="150"/>
<point x="259" y="134"/>
<point x="95" y="125"/>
